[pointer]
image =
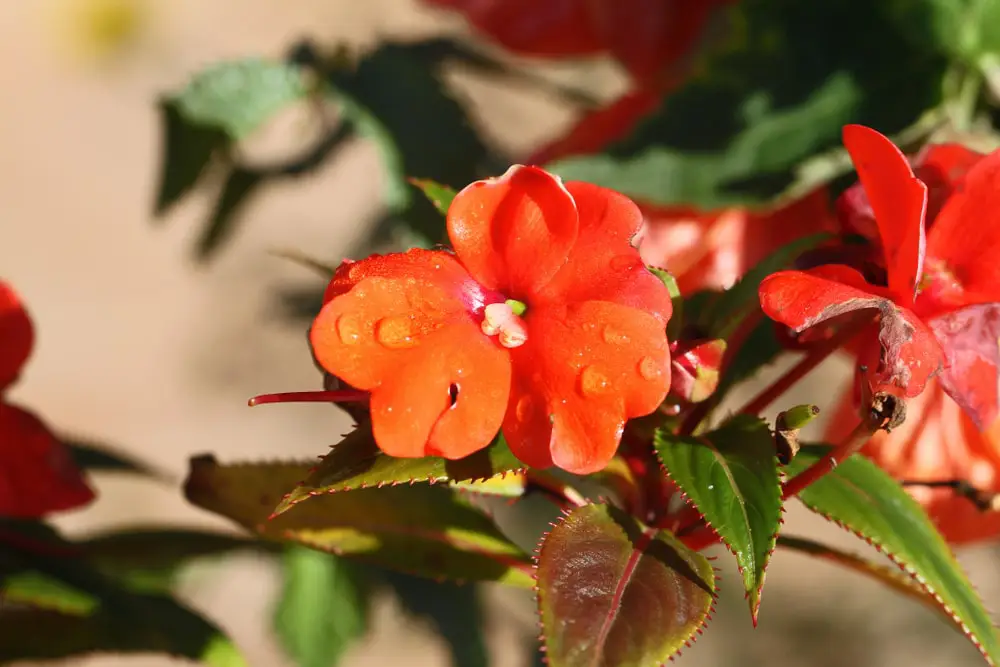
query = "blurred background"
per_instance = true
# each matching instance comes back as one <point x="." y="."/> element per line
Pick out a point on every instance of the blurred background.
<point x="146" y="348"/>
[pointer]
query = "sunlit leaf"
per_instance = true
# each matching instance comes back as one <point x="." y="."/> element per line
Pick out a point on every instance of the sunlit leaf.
<point x="422" y="529"/>
<point x="357" y="463"/>
<point x="613" y="592"/>
<point x="439" y="195"/>
<point x="862" y="498"/>
<point x="323" y="608"/>
<point x="731" y="476"/>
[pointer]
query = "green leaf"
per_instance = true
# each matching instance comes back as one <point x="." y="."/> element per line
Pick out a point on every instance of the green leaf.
<point x="775" y="94"/>
<point x="239" y="96"/>
<point x="613" y="592"/>
<point x="862" y="498"/>
<point x="892" y="577"/>
<point x="422" y="529"/>
<point x="357" y="463"/>
<point x="240" y="184"/>
<point x="98" y="457"/>
<point x="395" y="97"/>
<point x="322" y="610"/>
<point x="185" y="153"/>
<point x="439" y="195"/>
<point x="731" y="476"/>
<point x="27" y="587"/>
<point x="455" y="612"/>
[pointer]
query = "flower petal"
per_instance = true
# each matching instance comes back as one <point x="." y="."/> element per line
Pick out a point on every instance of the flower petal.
<point x="17" y="335"/>
<point x="513" y="233"/>
<point x="801" y="299"/>
<point x="37" y="474"/>
<point x="899" y="202"/>
<point x="964" y="242"/>
<point x="584" y="371"/>
<point x="447" y="397"/>
<point x="969" y="339"/>
<point x="603" y="265"/>
<point x="942" y="167"/>
<point x="937" y="442"/>
<point x="528" y="27"/>
<point x="408" y="332"/>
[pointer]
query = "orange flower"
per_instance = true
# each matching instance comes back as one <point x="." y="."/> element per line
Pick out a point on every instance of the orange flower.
<point x="37" y="475"/>
<point x="544" y="323"/>
<point x="647" y="37"/>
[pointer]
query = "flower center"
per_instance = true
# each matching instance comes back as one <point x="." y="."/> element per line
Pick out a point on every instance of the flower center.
<point x="504" y="320"/>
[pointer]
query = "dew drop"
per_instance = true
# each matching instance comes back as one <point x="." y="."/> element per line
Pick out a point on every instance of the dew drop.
<point x="614" y="336"/>
<point x="649" y="369"/>
<point x="395" y="332"/>
<point x="592" y="381"/>
<point x="349" y="329"/>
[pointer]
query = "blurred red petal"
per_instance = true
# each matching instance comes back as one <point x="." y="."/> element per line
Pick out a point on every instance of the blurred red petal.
<point x="37" y="474"/>
<point x="899" y="202"/>
<point x="551" y="28"/>
<point x="963" y="247"/>
<point x="17" y="335"/>
<point x="603" y="265"/>
<point x="942" y="167"/>
<point x="584" y="371"/>
<point x="513" y="233"/>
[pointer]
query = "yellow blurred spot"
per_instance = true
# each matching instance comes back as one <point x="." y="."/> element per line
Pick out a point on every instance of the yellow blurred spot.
<point x="102" y="29"/>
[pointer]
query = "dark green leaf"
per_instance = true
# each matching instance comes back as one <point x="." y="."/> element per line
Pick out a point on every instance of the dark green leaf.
<point x="322" y="610"/>
<point x="776" y="93"/>
<point x="613" y="592"/>
<point x="357" y="463"/>
<point x="454" y="610"/>
<point x="239" y="96"/>
<point x="862" y="498"/>
<point x="731" y="476"/>
<point x="423" y="529"/>
<point x="27" y="587"/>
<point x="396" y="98"/>
<point x="239" y="185"/>
<point x="97" y="457"/>
<point x="186" y="150"/>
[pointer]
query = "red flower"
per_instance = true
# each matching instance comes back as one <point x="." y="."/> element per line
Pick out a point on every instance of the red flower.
<point x="544" y="323"/>
<point x="37" y="475"/>
<point x="646" y="36"/>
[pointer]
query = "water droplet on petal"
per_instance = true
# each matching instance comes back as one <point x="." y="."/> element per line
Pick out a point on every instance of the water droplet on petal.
<point x="349" y="329"/>
<point x="649" y="369"/>
<point x="522" y="411"/>
<point x="592" y="381"/>
<point x="395" y="332"/>
<point x="614" y="336"/>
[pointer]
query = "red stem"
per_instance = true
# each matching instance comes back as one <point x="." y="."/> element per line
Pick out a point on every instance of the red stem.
<point x="339" y="396"/>
<point x="853" y="443"/>
<point x="814" y="357"/>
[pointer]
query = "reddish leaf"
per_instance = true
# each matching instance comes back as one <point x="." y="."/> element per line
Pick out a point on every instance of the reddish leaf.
<point x="801" y="299"/>
<point x="613" y="592"/>
<point x="969" y="340"/>
<point x="695" y="369"/>
<point x="37" y="473"/>
<point x="899" y="202"/>
<point x="16" y="335"/>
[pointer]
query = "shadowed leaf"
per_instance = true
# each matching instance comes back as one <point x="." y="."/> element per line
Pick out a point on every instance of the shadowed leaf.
<point x="186" y="151"/>
<point x="239" y="186"/>
<point x="422" y="529"/>
<point x="98" y="457"/>
<point x="862" y="498"/>
<point x="731" y="476"/>
<point x="613" y="592"/>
